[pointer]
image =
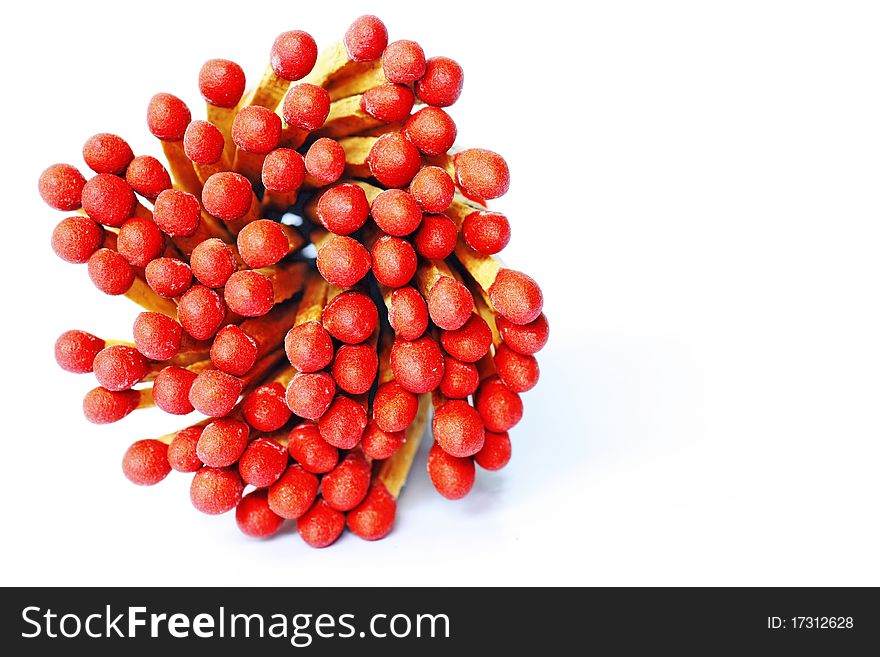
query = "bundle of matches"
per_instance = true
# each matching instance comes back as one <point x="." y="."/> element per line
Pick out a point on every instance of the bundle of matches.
<point x="314" y="370"/>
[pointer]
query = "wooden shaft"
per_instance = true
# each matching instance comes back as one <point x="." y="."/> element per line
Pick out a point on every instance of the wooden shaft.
<point x="269" y="92"/>
<point x="347" y="118"/>
<point x="314" y="299"/>
<point x="181" y="168"/>
<point x="394" y="470"/>
<point x="269" y="330"/>
<point x="222" y="117"/>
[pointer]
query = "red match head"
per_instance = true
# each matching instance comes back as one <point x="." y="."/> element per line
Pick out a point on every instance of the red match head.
<point x="365" y="39"/>
<point x="75" y="351"/>
<point x="234" y="351"/>
<point x="201" y="311"/>
<point x="432" y="130"/>
<point x="221" y="82"/>
<point x="119" y="367"/>
<point x="373" y="518"/>
<point x="102" y="406"/>
<point x="482" y="173"/>
<point x="76" y="238"/>
<point x="262" y="243"/>
<point x="351" y="317"/>
<point x="403" y="61"/>
<point x="470" y="342"/>
<point x="379" y="444"/>
<point x="203" y="142"/>
<point x="452" y="476"/>
<point x="147" y="176"/>
<point x="343" y="261"/>
<point x="293" y="55"/>
<point x="167" y="117"/>
<point x="157" y="336"/>
<point x="342" y="425"/>
<point x="355" y="367"/>
<point x="458" y="428"/>
<point x="306" y="106"/>
<point x="168" y="277"/>
<point x="436" y="237"/>
<point x="309" y="395"/>
<point x="418" y="365"/>
<point x="107" y="153"/>
<point x="227" y="195"/>
<point x="283" y="171"/>
<point x="294" y="493"/>
<point x="145" y="463"/>
<point x="389" y="103"/>
<point x="177" y="213"/>
<point x="108" y="200"/>
<point x="309" y="347"/>
<point x="110" y="272"/>
<point x="310" y="450"/>
<point x="394" y="407"/>
<point x="61" y="187"/>
<point x="486" y="232"/>
<point x="394" y="261"/>
<point x="346" y="486"/>
<point x="499" y="407"/>
<point x="408" y="313"/>
<point x="140" y="241"/>
<point x="249" y="293"/>
<point x="213" y="262"/>
<point x="171" y="390"/>
<point x="256" y="129"/>
<point x="321" y="525"/>
<point x="460" y="379"/>
<point x="393" y="160"/>
<point x="325" y="161"/>
<point x="216" y="490"/>
<point x="254" y="517"/>
<point x="433" y="189"/>
<point x="222" y="442"/>
<point x="263" y="462"/>
<point x="343" y="209"/>
<point x="396" y="212"/>
<point x="214" y="393"/>
<point x="265" y="408"/>
<point x="450" y="303"/>
<point x="495" y="453"/>
<point x="519" y="372"/>
<point x="442" y="82"/>
<point x="516" y="296"/>
<point x="182" y="451"/>
<point x="527" y="339"/>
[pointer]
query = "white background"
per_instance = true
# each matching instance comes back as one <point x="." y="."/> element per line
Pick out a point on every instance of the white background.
<point x="695" y="187"/>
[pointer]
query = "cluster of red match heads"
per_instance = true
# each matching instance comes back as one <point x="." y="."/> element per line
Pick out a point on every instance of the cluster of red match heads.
<point x="316" y="374"/>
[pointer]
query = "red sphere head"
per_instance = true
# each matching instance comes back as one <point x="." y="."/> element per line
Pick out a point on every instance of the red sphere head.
<point x="450" y="303"/>
<point x="171" y="390"/>
<point x="222" y="442"/>
<point x="263" y="462"/>
<point x="470" y="342"/>
<point x="325" y="161"/>
<point x="436" y="237"/>
<point x="347" y="484"/>
<point x="309" y="395"/>
<point x="145" y="463"/>
<point x="343" y="261"/>
<point x="168" y="277"/>
<point x="182" y="450"/>
<point x="495" y="453"/>
<point x="213" y="262"/>
<point x="147" y="176"/>
<point x="433" y="189"/>
<point x="365" y="39"/>
<point x="408" y="313"/>
<point x="283" y="171"/>
<point x="355" y="367"/>
<point x="389" y="103"/>
<point x="119" y="367"/>
<point x="214" y="393"/>
<point x="486" y="232"/>
<point x="177" y="213"/>
<point x="294" y="493"/>
<point x="379" y="444"/>
<point x="394" y="261"/>
<point x="221" y="82"/>
<point x="452" y="476"/>
<point x="432" y="130"/>
<point x="500" y="408"/>
<point x="254" y="517"/>
<point x="394" y="407"/>
<point x="373" y="518"/>
<point x="201" y="311"/>
<point x="519" y="372"/>
<point x="249" y="293"/>
<point x="168" y="117"/>
<point x="234" y="351"/>
<point x="527" y="339"/>
<point x="156" y="335"/>
<point x="516" y="296"/>
<point x="310" y="450"/>
<point x="396" y="212"/>
<point x="306" y="106"/>
<point x="403" y="61"/>
<point x="442" y="82"/>
<point x="393" y="160"/>
<point x="107" y="153"/>
<point x="256" y="129"/>
<point x="108" y="200"/>
<point x="351" y="317"/>
<point x="342" y="425"/>
<point x="203" y="142"/>
<point x="102" y="406"/>
<point x="343" y="209"/>
<point x="460" y="379"/>
<point x="216" y="490"/>
<point x="76" y="238"/>
<point x="418" y="365"/>
<point x="321" y="525"/>
<point x="309" y="347"/>
<point x="458" y="428"/>
<point x="110" y="272"/>
<point x="61" y="187"/>
<point x="140" y="241"/>
<point x="265" y="408"/>
<point x="227" y="195"/>
<point x="293" y="55"/>
<point x="75" y="351"/>
<point x="482" y="173"/>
